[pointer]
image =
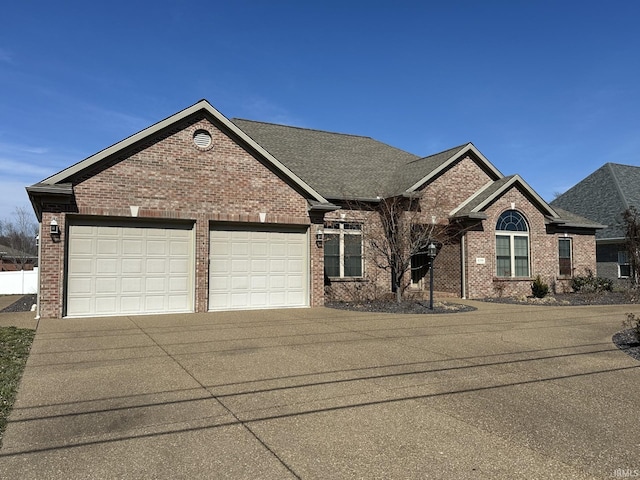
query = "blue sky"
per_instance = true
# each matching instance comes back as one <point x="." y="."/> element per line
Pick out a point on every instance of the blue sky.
<point x="546" y="89"/>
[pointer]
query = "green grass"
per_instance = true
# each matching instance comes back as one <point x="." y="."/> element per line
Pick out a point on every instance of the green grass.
<point x="14" y="350"/>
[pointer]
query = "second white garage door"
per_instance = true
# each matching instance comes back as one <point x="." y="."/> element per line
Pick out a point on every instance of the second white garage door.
<point x="255" y="268"/>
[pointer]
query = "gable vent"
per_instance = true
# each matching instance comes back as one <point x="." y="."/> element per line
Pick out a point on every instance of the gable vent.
<point x="202" y="139"/>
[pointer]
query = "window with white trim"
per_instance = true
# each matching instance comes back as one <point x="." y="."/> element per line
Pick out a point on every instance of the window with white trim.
<point x="564" y="257"/>
<point x="512" y="245"/>
<point x="343" y="249"/>
<point x="624" y="267"/>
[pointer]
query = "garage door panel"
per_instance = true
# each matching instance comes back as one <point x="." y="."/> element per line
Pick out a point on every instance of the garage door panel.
<point x="107" y="247"/>
<point x="81" y="285"/>
<point x="155" y="284"/>
<point x="103" y="305"/>
<point x="81" y="246"/>
<point x="277" y="265"/>
<point x="155" y="265"/>
<point x="179" y="284"/>
<point x="178" y="266"/>
<point x="239" y="282"/>
<point x="106" y="266"/>
<point x="81" y="265"/>
<point x="258" y="268"/>
<point x="158" y="248"/>
<point x="132" y="247"/>
<point x="177" y="302"/>
<point x="131" y="285"/>
<point x="240" y="265"/>
<point x="121" y="269"/>
<point x="106" y="285"/>
<point x="154" y="303"/>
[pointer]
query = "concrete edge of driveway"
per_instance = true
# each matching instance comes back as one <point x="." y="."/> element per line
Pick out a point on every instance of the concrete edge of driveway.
<point x="19" y="320"/>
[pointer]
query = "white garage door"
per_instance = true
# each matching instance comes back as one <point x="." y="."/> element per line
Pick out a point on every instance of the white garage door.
<point x="123" y="270"/>
<point x="258" y="268"/>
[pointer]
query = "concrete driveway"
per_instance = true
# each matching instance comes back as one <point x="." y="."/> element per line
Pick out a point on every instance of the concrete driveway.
<point x="503" y="392"/>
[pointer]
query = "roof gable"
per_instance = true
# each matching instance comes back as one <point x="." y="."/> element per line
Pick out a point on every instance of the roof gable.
<point x="475" y="205"/>
<point x="427" y="168"/>
<point x="63" y="177"/>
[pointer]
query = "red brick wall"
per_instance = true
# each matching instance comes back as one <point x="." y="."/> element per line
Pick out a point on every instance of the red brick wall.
<point x="171" y="178"/>
<point x="451" y="188"/>
<point x="543" y="251"/>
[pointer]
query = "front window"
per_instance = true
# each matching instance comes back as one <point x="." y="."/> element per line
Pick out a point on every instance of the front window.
<point x="512" y="245"/>
<point x="624" y="267"/>
<point x="564" y="257"/>
<point x="343" y="250"/>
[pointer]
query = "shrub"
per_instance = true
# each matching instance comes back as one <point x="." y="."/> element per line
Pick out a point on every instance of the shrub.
<point x="590" y="283"/>
<point x="539" y="288"/>
<point x="633" y="323"/>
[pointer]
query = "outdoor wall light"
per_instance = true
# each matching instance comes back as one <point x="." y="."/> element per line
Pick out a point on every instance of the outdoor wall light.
<point x="55" y="229"/>
<point x="319" y="237"/>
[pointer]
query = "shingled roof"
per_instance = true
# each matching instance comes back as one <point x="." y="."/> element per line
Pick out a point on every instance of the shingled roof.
<point x="336" y="164"/>
<point x="603" y="196"/>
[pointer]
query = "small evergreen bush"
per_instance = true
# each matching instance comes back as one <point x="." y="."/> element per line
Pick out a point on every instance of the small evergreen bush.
<point x="539" y="288"/>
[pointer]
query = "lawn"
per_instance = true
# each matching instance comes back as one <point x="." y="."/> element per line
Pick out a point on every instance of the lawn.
<point x="14" y="350"/>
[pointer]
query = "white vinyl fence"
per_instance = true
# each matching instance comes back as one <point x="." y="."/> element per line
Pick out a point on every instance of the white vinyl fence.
<point x="19" y="283"/>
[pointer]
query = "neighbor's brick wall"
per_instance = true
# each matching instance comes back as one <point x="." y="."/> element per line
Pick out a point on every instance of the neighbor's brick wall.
<point x="171" y="178"/>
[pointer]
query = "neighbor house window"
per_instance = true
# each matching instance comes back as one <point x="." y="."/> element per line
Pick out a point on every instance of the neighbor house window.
<point x="512" y="245"/>
<point x="564" y="255"/>
<point x="624" y="267"/>
<point x="343" y="249"/>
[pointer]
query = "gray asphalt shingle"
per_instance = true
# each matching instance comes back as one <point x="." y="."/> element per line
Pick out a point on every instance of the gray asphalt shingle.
<point x="603" y="196"/>
<point x="341" y="165"/>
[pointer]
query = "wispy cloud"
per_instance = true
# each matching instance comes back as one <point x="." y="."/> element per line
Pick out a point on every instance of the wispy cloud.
<point x="5" y="55"/>
<point x="258" y="108"/>
<point x="22" y="169"/>
<point x="112" y="117"/>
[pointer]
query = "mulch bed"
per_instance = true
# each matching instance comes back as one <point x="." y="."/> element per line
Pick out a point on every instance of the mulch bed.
<point x="22" y="305"/>
<point x="407" y="306"/>
<point x="627" y="341"/>
<point x="572" y="299"/>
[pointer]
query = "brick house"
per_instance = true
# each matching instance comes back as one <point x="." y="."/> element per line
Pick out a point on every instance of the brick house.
<point x="201" y="213"/>
<point x="12" y="259"/>
<point x="603" y="196"/>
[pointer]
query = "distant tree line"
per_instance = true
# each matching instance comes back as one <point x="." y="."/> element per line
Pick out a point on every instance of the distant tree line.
<point x="18" y="238"/>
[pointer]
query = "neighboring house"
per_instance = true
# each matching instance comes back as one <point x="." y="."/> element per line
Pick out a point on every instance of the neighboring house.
<point x="12" y="259"/>
<point x="602" y="197"/>
<point x="201" y="213"/>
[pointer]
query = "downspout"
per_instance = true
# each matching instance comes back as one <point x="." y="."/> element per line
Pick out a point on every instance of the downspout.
<point x="464" y="266"/>
<point x="39" y="269"/>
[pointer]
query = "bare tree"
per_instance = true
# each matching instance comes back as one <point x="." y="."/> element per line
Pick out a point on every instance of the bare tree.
<point x="401" y="234"/>
<point x="631" y="223"/>
<point x="19" y="234"/>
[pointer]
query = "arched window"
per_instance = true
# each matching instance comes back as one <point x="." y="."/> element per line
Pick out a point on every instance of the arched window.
<point x="512" y="245"/>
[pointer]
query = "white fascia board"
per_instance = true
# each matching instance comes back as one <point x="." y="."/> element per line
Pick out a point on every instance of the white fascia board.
<point x="201" y="105"/>
<point x="470" y="147"/>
